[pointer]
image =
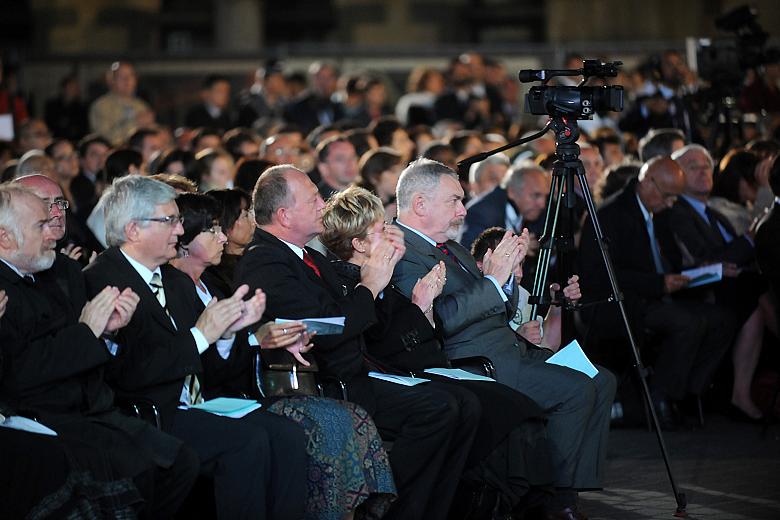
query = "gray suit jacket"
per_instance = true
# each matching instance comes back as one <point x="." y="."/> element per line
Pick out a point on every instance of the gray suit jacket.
<point x="470" y="314"/>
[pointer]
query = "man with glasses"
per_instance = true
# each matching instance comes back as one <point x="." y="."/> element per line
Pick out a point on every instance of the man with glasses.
<point x="692" y="336"/>
<point x="258" y="462"/>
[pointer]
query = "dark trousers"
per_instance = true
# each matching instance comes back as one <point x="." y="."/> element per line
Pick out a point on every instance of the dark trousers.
<point x="432" y="432"/>
<point x="258" y="462"/>
<point x="694" y="338"/>
<point x="164" y="490"/>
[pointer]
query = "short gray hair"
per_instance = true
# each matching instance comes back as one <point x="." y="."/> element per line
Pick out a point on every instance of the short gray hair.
<point x="421" y="176"/>
<point x="271" y="192"/>
<point x="33" y="162"/>
<point x="514" y="179"/>
<point x="9" y="220"/>
<point x="132" y="198"/>
<point x="475" y="172"/>
<point x="688" y="148"/>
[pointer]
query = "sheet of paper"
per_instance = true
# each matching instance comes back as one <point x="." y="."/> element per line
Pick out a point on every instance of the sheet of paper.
<point x="228" y="407"/>
<point x="704" y="275"/>
<point x="6" y="127"/>
<point x="457" y="373"/>
<point x="399" y="380"/>
<point x="28" y="425"/>
<point x="573" y="357"/>
<point x="322" y="326"/>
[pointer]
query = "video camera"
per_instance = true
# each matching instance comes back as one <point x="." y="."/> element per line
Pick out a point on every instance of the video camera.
<point x="579" y="102"/>
<point x="724" y="62"/>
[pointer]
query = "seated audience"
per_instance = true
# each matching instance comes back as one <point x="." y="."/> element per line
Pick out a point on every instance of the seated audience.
<point x="54" y="360"/>
<point x="257" y="462"/>
<point x="337" y="164"/>
<point x="379" y="172"/>
<point x="214" y="109"/>
<point x="693" y="336"/>
<point x="216" y="170"/>
<point x="432" y="431"/>
<point x="404" y="340"/>
<point x="337" y="485"/>
<point x="473" y="314"/>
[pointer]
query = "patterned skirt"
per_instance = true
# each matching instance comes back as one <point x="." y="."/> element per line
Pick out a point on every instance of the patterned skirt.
<point x="347" y="463"/>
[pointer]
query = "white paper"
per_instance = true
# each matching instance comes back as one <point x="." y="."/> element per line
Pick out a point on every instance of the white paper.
<point x="457" y="373"/>
<point x="399" y="380"/>
<point x="322" y="326"/>
<point x="572" y="356"/>
<point x="24" y="424"/>
<point x="233" y="408"/>
<point x="704" y="274"/>
<point x="6" y="127"/>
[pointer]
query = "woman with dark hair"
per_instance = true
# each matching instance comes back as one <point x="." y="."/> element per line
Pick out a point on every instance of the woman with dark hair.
<point x="347" y="463"/>
<point x="388" y="132"/>
<point x="735" y="188"/>
<point x="379" y="173"/>
<point x="248" y="172"/>
<point x="235" y="217"/>
<point x="178" y="162"/>
<point x="510" y="452"/>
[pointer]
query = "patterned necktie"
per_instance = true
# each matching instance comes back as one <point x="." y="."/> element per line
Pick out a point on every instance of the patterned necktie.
<point x="308" y="260"/>
<point x="191" y="381"/>
<point x="441" y="246"/>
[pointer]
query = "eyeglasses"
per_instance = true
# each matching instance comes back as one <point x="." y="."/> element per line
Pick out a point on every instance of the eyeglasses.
<point x="215" y="230"/>
<point x="668" y="197"/>
<point x="171" y="220"/>
<point x="60" y="203"/>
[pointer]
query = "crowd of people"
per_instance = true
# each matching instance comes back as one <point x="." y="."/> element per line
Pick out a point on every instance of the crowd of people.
<point x="148" y="270"/>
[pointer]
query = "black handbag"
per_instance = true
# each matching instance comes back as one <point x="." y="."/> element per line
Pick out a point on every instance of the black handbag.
<point x="283" y="376"/>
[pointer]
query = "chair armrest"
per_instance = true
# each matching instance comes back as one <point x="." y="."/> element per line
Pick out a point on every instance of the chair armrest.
<point x="143" y="409"/>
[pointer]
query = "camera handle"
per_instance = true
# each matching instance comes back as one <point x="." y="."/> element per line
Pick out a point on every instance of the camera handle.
<point x="565" y="169"/>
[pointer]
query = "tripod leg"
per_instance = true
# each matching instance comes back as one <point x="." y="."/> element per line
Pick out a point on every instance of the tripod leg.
<point x="547" y="242"/>
<point x="642" y="372"/>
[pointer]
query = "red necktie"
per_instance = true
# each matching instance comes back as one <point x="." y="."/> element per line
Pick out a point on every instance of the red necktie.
<point x="443" y="248"/>
<point x="308" y="260"/>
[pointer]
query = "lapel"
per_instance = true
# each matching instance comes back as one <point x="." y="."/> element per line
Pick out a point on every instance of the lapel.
<point x="416" y="243"/>
<point x="127" y="274"/>
<point x="702" y="225"/>
<point x="265" y="239"/>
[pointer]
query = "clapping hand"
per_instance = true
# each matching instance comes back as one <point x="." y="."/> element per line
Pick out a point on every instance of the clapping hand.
<point x="499" y="263"/>
<point x="124" y="307"/>
<point x="429" y="287"/>
<point x="251" y="312"/>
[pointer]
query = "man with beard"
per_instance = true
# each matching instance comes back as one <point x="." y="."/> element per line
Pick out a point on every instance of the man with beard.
<point x="53" y="361"/>
<point x="472" y="314"/>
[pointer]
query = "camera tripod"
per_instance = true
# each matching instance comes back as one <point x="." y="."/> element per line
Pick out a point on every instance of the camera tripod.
<point x="560" y="237"/>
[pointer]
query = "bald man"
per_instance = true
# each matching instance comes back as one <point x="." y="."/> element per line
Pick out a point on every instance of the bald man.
<point x="80" y="240"/>
<point x="690" y="337"/>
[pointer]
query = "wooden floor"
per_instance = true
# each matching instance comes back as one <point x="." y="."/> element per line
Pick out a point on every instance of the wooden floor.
<point x="728" y="471"/>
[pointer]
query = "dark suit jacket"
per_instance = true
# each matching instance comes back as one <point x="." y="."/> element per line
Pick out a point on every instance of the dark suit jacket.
<point x="306" y="111"/>
<point x="52" y="364"/>
<point x="294" y="291"/>
<point x="768" y="248"/>
<point x="154" y="356"/>
<point x="53" y="369"/>
<point x="198" y="116"/>
<point x="487" y="211"/>
<point x="625" y="230"/>
<point x="698" y="241"/>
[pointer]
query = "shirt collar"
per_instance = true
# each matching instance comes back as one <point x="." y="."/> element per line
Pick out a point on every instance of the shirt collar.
<point x="645" y="213"/>
<point x="296" y="249"/>
<point x="418" y="233"/>
<point x="13" y="268"/>
<point x="696" y="203"/>
<point x="141" y="269"/>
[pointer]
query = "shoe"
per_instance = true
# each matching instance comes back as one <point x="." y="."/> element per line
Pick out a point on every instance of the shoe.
<point x="735" y="413"/>
<point x="667" y="417"/>
<point x="567" y="513"/>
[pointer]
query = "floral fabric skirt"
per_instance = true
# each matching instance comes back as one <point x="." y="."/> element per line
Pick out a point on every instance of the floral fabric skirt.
<point x="347" y="463"/>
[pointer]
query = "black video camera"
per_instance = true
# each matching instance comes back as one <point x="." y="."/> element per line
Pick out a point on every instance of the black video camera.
<point x="579" y="102"/>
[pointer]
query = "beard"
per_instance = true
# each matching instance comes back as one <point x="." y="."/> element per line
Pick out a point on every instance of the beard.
<point x="453" y="231"/>
<point x="33" y="264"/>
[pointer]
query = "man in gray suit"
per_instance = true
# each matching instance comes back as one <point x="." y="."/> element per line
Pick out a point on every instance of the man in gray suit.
<point x="473" y="312"/>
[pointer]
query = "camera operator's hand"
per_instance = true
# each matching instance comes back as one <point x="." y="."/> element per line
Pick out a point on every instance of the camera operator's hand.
<point x="531" y="331"/>
<point x="500" y="262"/>
<point x="675" y="282"/>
